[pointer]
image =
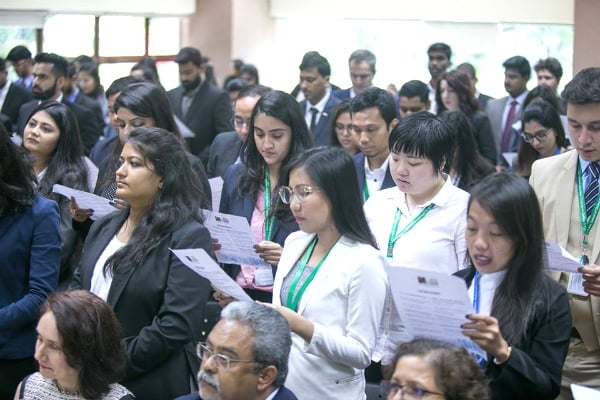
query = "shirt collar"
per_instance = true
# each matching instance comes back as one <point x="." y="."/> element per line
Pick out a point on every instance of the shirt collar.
<point x="321" y="104"/>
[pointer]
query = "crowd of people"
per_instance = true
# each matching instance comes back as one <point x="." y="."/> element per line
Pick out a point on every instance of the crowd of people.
<point x="339" y="187"/>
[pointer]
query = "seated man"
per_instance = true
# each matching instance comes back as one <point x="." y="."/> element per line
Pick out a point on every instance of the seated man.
<point x="245" y="356"/>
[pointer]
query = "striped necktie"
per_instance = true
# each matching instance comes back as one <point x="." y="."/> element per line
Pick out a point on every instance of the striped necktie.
<point x="591" y="192"/>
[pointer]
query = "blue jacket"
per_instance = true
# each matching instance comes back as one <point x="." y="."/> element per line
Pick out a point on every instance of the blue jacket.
<point x="29" y="263"/>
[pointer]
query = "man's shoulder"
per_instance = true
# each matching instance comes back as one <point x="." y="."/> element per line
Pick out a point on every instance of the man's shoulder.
<point x="285" y="394"/>
<point x="332" y="102"/>
<point x="342" y="94"/>
<point x="546" y="170"/>
<point x="496" y="103"/>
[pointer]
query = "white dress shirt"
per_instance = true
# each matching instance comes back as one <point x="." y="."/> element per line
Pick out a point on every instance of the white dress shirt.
<point x="487" y="289"/>
<point x="320" y="106"/>
<point x="376" y="176"/>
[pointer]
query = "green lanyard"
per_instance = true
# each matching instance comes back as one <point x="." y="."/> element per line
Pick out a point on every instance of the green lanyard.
<point x="395" y="235"/>
<point x="292" y="300"/>
<point x="365" y="189"/>
<point x="586" y="222"/>
<point x="269" y="221"/>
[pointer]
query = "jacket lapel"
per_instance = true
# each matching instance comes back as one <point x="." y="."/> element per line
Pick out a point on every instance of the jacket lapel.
<point x="564" y="199"/>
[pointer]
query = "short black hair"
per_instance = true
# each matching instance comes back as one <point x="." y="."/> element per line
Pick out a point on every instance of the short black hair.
<point x="361" y="55"/>
<point x="469" y="69"/>
<point x="520" y="64"/>
<point x="120" y="84"/>
<point x="550" y="64"/>
<point x="60" y="66"/>
<point x="584" y="88"/>
<point x="253" y="91"/>
<point x="313" y="59"/>
<point x="18" y="53"/>
<point x="415" y="88"/>
<point x="378" y="98"/>
<point x="424" y="135"/>
<point x="189" y="54"/>
<point x="441" y="47"/>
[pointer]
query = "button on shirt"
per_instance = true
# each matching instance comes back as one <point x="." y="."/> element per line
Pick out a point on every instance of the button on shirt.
<point x="376" y="176"/>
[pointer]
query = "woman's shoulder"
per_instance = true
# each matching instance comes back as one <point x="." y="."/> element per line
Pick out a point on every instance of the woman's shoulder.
<point x="118" y="392"/>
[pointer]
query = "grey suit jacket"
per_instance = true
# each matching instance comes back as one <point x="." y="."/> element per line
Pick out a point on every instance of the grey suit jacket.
<point x="495" y="111"/>
<point x="224" y="150"/>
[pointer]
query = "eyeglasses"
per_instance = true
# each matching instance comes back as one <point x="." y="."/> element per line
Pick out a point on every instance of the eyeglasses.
<point x="540" y="136"/>
<point x="239" y="122"/>
<point x="300" y="193"/>
<point x="408" y="392"/>
<point x="343" y="128"/>
<point x="222" y="361"/>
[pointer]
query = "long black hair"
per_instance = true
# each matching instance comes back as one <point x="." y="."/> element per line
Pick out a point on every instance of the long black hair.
<point x="66" y="165"/>
<point x="282" y="106"/>
<point x="16" y="177"/>
<point x="514" y="207"/>
<point x="332" y="169"/>
<point x="178" y="201"/>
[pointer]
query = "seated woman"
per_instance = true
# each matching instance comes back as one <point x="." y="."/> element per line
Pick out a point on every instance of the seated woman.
<point x="78" y="350"/>
<point x="543" y="136"/>
<point x="52" y="138"/>
<point x="522" y="317"/>
<point x="331" y="283"/>
<point x="127" y="261"/>
<point x="468" y="165"/>
<point x="427" y="368"/>
<point x="29" y="262"/>
<point x="277" y="133"/>
<point x="341" y="130"/>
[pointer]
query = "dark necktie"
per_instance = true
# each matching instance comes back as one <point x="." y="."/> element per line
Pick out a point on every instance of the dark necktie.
<point x="508" y="126"/>
<point x="313" y="119"/>
<point x="591" y="192"/>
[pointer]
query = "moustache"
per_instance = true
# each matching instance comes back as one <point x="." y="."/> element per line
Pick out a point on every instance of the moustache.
<point x="204" y="376"/>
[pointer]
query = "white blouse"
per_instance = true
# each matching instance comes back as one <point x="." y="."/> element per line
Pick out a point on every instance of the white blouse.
<point x="100" y="282"/>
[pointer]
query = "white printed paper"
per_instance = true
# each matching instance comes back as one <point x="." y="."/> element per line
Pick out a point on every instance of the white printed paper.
<point x="560" y="260"/>
<point x="85" y="200"/>
<point x="216" y="187"/>
<point x="234" y="236"/>
<point x="575" y="285"/>
<point x="202" y="264"/>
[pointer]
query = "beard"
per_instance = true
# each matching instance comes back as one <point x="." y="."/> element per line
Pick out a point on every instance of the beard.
<point x="44" y="94"/>
<point x="191" y="85"/>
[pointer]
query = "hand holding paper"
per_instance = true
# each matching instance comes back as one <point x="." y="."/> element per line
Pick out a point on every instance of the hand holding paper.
<point x="100" y="205"/>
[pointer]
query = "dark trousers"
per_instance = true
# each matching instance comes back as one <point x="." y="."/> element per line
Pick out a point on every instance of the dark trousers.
<point x="12" y="373"/>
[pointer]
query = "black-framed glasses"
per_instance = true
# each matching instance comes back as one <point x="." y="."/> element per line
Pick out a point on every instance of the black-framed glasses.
<point x="239" y="122"/>
<point x="390" y="390"/>
<point x="300" y="193"/>
<point x="343" y="128"/>
<point x="540" y="136"/>
<point x="221" y="360"/>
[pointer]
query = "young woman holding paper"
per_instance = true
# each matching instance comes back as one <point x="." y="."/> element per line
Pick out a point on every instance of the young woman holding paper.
<point x="331" y="283"/>
<point x="277" y="132"/>
<point x="522" y="318"/>
<point x="127" y="262"/>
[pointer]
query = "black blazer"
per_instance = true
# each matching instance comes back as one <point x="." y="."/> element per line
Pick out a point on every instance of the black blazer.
<point x="209" y="114"/>
<point x="534" y="368"/>
<point x="484" y="136"/>
<point x="160" y="305"/>
<point x="91" y="104"/>
<point x="359" y="164"/>
<point x="224" y="151"/>
<point x="323" y="127"/>
<point x="15" y="98"/>
<point x="89" y="129"/>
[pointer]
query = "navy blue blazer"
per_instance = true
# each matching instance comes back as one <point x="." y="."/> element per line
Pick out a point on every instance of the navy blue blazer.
<point x="323" y="128"/>
<point x="359" y="164"/>
<point x="232" y="202"/>
<point x="30" y="245"/>
<point x="283" y="394"/>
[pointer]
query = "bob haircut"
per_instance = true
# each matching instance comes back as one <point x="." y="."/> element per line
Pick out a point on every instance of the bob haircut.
<point x="424" y="135"/>
<point x="461" y="83"/>
<point x="332" y="169"/>
<point x="179" y="199"/>
<point x="343" y="107"/>
<point x="16" y="177"/>
<point x="285" y="108"/>
<point x="66" y="165"/>
<point x="512" y="203"/>
<point x="455" y="371"/>
<point x="90" y="337"/>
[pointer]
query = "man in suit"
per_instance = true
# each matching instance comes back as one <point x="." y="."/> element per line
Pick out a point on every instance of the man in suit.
<point x="319" y="104"/>
<point x="245" y="356"/>
<point x="20" y="58"/>
<point x="50" y="76"/>
<point x="12" y="97"/>
<point x="469" y="69"/>
<point x="414" y="97"/>
<point x="226" y="148"/>
<point x="204" y="108"/>
<point x="374" y="115"/>
<point x="506" y="111"/>
<point x="362" y="71"/>
<point x="567" y="189"/>
<point x="549" y="72"/>
<point x="439" y="55"/>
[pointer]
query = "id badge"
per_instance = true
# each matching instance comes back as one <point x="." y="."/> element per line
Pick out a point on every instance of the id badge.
<point x="263" y="276"/>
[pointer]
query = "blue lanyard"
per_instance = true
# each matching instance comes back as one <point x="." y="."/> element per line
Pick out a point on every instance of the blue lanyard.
<point x="476" y="292"/>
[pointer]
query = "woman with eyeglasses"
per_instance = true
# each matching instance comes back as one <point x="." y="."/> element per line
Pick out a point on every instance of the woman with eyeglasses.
<point x="331" y="283"/>
<point x="543" y="136"/>
<point x="277" y="133"/>
<point x="430" y="369"/>
<point x="341" y="129"/>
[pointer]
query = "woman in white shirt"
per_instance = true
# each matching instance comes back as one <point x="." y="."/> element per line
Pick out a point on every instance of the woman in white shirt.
<point x="331" y="283"/>
<point x="420" y="223"/>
